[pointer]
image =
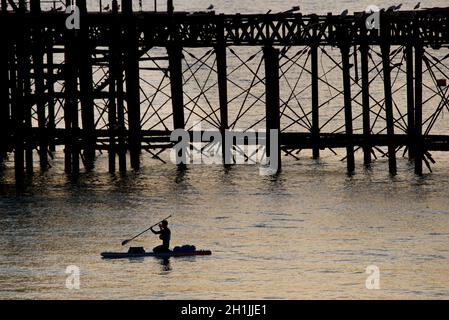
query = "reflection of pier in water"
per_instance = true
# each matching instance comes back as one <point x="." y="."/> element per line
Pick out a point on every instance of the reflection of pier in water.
<point x="125" y="80"/>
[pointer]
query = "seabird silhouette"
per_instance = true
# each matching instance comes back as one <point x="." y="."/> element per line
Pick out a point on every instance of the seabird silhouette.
<point x="391" y="9"/>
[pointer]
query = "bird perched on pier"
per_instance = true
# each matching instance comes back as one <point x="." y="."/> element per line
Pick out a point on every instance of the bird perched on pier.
<point x="394" y="8"/>
<point x="344" y="13"/>
<point x="107" y="8"/>
<point x="211" y="7"/>
<point x="268" y="12"/>
<point x="293" y="9"/>
<point x="417" y="6"/>
<point x="391" y="9"/>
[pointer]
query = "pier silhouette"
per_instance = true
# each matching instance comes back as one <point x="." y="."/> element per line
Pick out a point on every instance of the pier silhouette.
<point x="86" y="89"/>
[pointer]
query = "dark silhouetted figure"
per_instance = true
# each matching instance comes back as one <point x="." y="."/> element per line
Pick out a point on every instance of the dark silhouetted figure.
<point x="344" y="13"/>
<point x="165" y="235"/>
<point x="391" y="9"/>
<point x="417" y="6"/>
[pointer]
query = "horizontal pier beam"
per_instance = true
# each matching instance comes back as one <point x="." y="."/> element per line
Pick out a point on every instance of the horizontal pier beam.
<point x="202" y="30"/>
<point x="293" y="140"/>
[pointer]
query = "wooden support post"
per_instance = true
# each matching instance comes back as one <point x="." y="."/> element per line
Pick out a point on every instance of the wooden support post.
<point x="419" y="51"/>
<point x="38" y="61"/>
<point x="348" y="107"/>
<point x="118" y="63"/>
<point x="176" y="84"/>
<point x="356" y="65"/>
<point x="315" y="98"/>
<point x="386" y="63"/>
<point x="22" y="6"/>
<point x="24" y="82"/>
<point x="75" y="133"/>
<point x="25" y="61"/>
<point x="389" y="108"/>
<point x="220" y="52"/>
<point x="70" y="103"/>
<point x="410" y="102"/>
<point x="35" y="6"/>
<point x="86" y="87"/>
<point x="51" y="98"/>
<point x="114" y="69"/>
<point x="175" y="65"/>
<point x="4" y="94"/>
<point x="272" y="103"/>
<point x="365" y="104"/>
<point x="132" y="85"/>
<point x="121" y="123"/>
<point x="170" y="7"/>
<point x="112" y="119"/>
<point x="18" y="101"/>
<point x="223" y="94"/>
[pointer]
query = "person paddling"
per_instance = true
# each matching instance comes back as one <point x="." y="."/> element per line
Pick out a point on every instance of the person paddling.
<point x="165" y="235"/>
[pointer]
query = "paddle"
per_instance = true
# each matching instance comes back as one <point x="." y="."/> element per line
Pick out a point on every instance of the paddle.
<point x="129" y="240"/>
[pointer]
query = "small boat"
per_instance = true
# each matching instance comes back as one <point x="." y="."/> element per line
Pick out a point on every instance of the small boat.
<point x="165" y="255"/>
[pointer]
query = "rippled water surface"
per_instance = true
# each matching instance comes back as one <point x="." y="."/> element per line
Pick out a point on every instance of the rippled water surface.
<point x="309" y="232"/>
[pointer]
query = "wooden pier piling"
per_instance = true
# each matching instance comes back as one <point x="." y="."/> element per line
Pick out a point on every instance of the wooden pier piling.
<point x="350" y="162"/>
<point x="27" y="102"/>
<point x="389" y="108"/>
<point x="5" y="115"/>
<point x="132" y="85"/>
<point x="223" y="92"/>
<point x="176" y="85"/>
<point x="38" y="55"/>
<point x="366" y="109"/>
<point x="50" y="86"/>
<point x="419" y="51"/>
<point x="220" y="51"/>
<point x="272" y="104"/>
<point x="71" y="160"/>
<point x="410" y="101"/>
<point x="386" y="67"/>
<point x="176" y="82"/>
<point x="315" y="94"/>
<point x="114" y="77"/>
<point x="18" y="78"/>
<point x="86" y="87"/>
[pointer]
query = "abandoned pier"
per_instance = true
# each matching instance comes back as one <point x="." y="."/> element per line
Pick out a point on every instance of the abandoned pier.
<point x="125" y="79"/>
